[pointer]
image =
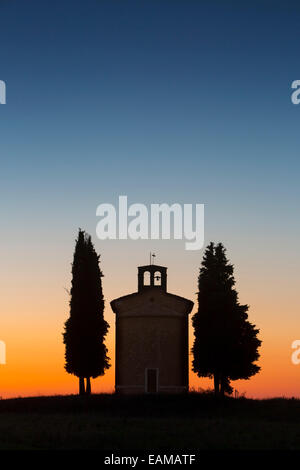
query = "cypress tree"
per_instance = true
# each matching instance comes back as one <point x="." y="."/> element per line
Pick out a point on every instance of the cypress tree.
<point x="86" y="328"/>
<point x="226" y="343"/>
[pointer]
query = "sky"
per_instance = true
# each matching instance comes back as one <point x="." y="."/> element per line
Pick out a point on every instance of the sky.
<point x="163" y="101"/>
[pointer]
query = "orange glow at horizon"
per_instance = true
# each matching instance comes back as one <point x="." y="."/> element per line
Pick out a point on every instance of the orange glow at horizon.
<point x="32" y="330"/>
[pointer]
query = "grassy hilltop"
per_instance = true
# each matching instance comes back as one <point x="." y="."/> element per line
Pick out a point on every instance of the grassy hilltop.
<point x="111" y="422"/>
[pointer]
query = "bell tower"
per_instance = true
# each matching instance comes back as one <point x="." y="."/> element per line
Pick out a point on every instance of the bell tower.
<point x="152" y="275"/>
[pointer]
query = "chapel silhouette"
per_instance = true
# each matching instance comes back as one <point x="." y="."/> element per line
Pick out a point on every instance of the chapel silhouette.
<point x="152" y="336"/>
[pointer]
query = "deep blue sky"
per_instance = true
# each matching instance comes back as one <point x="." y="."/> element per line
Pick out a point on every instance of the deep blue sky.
<point x="164" y="101"/>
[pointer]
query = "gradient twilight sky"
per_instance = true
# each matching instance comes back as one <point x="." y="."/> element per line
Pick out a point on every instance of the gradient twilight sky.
<point x="163" y="101"/>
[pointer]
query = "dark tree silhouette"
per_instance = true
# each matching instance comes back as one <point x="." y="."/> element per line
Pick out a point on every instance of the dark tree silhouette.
<point x="226" y="343"/>
<point x="85" y="329"/>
